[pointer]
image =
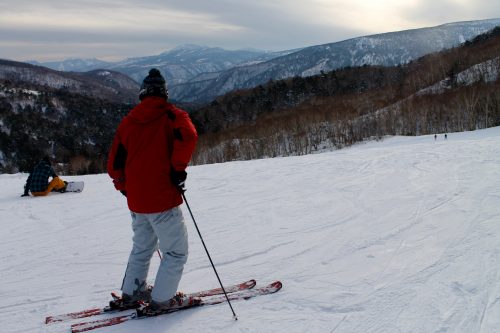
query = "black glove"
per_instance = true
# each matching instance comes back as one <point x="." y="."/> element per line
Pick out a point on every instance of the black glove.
<point x="124" y="193"/>
<point x="179" y="179"/>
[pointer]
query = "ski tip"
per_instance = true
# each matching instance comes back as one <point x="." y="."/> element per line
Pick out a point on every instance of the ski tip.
<point x="277" y="285"/>
<point x="114" y="295"/>
<point x="250" y="283"/>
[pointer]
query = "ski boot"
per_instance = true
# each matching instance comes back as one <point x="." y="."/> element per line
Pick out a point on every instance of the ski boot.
<point x="156" y="308"/>
<point x="64" y="188"/>
<point x="126" y="301"/>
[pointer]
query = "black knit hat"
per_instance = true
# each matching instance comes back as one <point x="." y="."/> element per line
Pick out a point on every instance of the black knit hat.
<point x="153" y="85"/>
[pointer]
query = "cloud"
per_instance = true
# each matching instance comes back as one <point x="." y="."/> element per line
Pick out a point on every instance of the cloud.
<point x="106" y="29"/>
<point x="108" y="18"/>
<point x="436" y="12"/>
<point x="89" y="25"/>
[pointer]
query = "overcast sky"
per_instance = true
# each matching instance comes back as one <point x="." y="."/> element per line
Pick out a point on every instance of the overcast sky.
<point x="119" y="29"/>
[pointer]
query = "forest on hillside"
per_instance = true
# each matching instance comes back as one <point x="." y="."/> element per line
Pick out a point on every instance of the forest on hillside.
<point x="449" y="91"/>
<point x="76" y="130"/>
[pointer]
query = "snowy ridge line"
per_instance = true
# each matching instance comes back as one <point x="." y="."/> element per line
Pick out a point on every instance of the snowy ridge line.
<point x="187" y="303"/>
<point x="98" y="311"/>
<point x="52" y="79"/>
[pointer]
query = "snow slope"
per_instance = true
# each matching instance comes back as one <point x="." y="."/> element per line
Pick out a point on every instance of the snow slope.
<point x="395" y="236"/>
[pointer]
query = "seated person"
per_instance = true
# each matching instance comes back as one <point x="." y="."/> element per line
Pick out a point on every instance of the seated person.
<point x="38" y="180"/>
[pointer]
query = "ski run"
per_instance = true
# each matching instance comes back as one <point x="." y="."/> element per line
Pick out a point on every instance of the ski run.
<point x="400" y="235"/>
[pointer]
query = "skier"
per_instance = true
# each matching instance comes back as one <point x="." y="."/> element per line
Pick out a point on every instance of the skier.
<point x="38" y="180"/>
<point x="147" y="162"/>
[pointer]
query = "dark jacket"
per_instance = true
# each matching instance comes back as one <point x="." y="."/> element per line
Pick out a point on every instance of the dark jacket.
<point x="38" y="180"/>
<point x="154" y="138"/>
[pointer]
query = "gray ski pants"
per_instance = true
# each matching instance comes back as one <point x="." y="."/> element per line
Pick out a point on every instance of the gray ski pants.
<point x="166" y="229"/>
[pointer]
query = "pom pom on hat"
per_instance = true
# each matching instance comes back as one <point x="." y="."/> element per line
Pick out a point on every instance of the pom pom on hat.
<point x="153" y="85"/>
<point x="153" y="72"/>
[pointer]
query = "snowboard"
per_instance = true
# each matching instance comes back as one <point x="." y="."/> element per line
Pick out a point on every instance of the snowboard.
<point x="74" y="186"/>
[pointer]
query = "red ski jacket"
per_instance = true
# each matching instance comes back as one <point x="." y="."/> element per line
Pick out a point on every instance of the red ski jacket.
<point x="151" y="140"/>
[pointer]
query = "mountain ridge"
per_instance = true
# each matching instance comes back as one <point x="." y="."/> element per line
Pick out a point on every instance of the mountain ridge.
<point x="199" y="73"/>
<point x="104" y="84"/>
<point x="386" y="49"/>
<point x="178" y="64"/>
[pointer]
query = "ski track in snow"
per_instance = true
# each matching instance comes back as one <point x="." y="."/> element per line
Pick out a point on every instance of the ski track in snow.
<point x="394" y="236"/>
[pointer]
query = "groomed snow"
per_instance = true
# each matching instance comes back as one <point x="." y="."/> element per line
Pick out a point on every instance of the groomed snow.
<point x="395" y="236"/>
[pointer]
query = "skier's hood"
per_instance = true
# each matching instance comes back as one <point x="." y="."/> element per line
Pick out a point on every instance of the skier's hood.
<point x="150" y="109"/>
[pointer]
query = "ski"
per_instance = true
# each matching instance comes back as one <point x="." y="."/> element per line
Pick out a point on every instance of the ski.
<point x="187" y="303"/>
<point x="98" y="311"/>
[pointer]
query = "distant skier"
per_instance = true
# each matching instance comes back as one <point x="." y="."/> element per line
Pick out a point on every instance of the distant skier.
<point x="446" y="136"/>
<point x="38" y="180"/>
<point x="435" y="137"/>
<point x="150" y="153"/>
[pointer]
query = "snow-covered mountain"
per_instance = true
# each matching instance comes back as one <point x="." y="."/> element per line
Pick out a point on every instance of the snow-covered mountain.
<point x="73" y="65"/>
<point x="178" y="65"/>
<point x="103" y="84"/>
<point x="394" y="236"/>
<point x="187" y="61"/>
<point x="386" y="49"/>
<point x="200" y="73"/>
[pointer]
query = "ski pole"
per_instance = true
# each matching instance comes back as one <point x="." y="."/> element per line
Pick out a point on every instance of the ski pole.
<point x="209" y="258"/>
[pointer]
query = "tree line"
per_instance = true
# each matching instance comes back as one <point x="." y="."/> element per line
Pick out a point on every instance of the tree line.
<point x="337" y="109"/>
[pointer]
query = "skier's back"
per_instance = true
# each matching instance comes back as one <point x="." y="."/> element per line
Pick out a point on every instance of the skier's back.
<point x="151" y="150"/>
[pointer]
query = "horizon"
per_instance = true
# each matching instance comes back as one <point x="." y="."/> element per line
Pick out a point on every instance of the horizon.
<point x="117" y="30"/>
<point x="186" y="45"/>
